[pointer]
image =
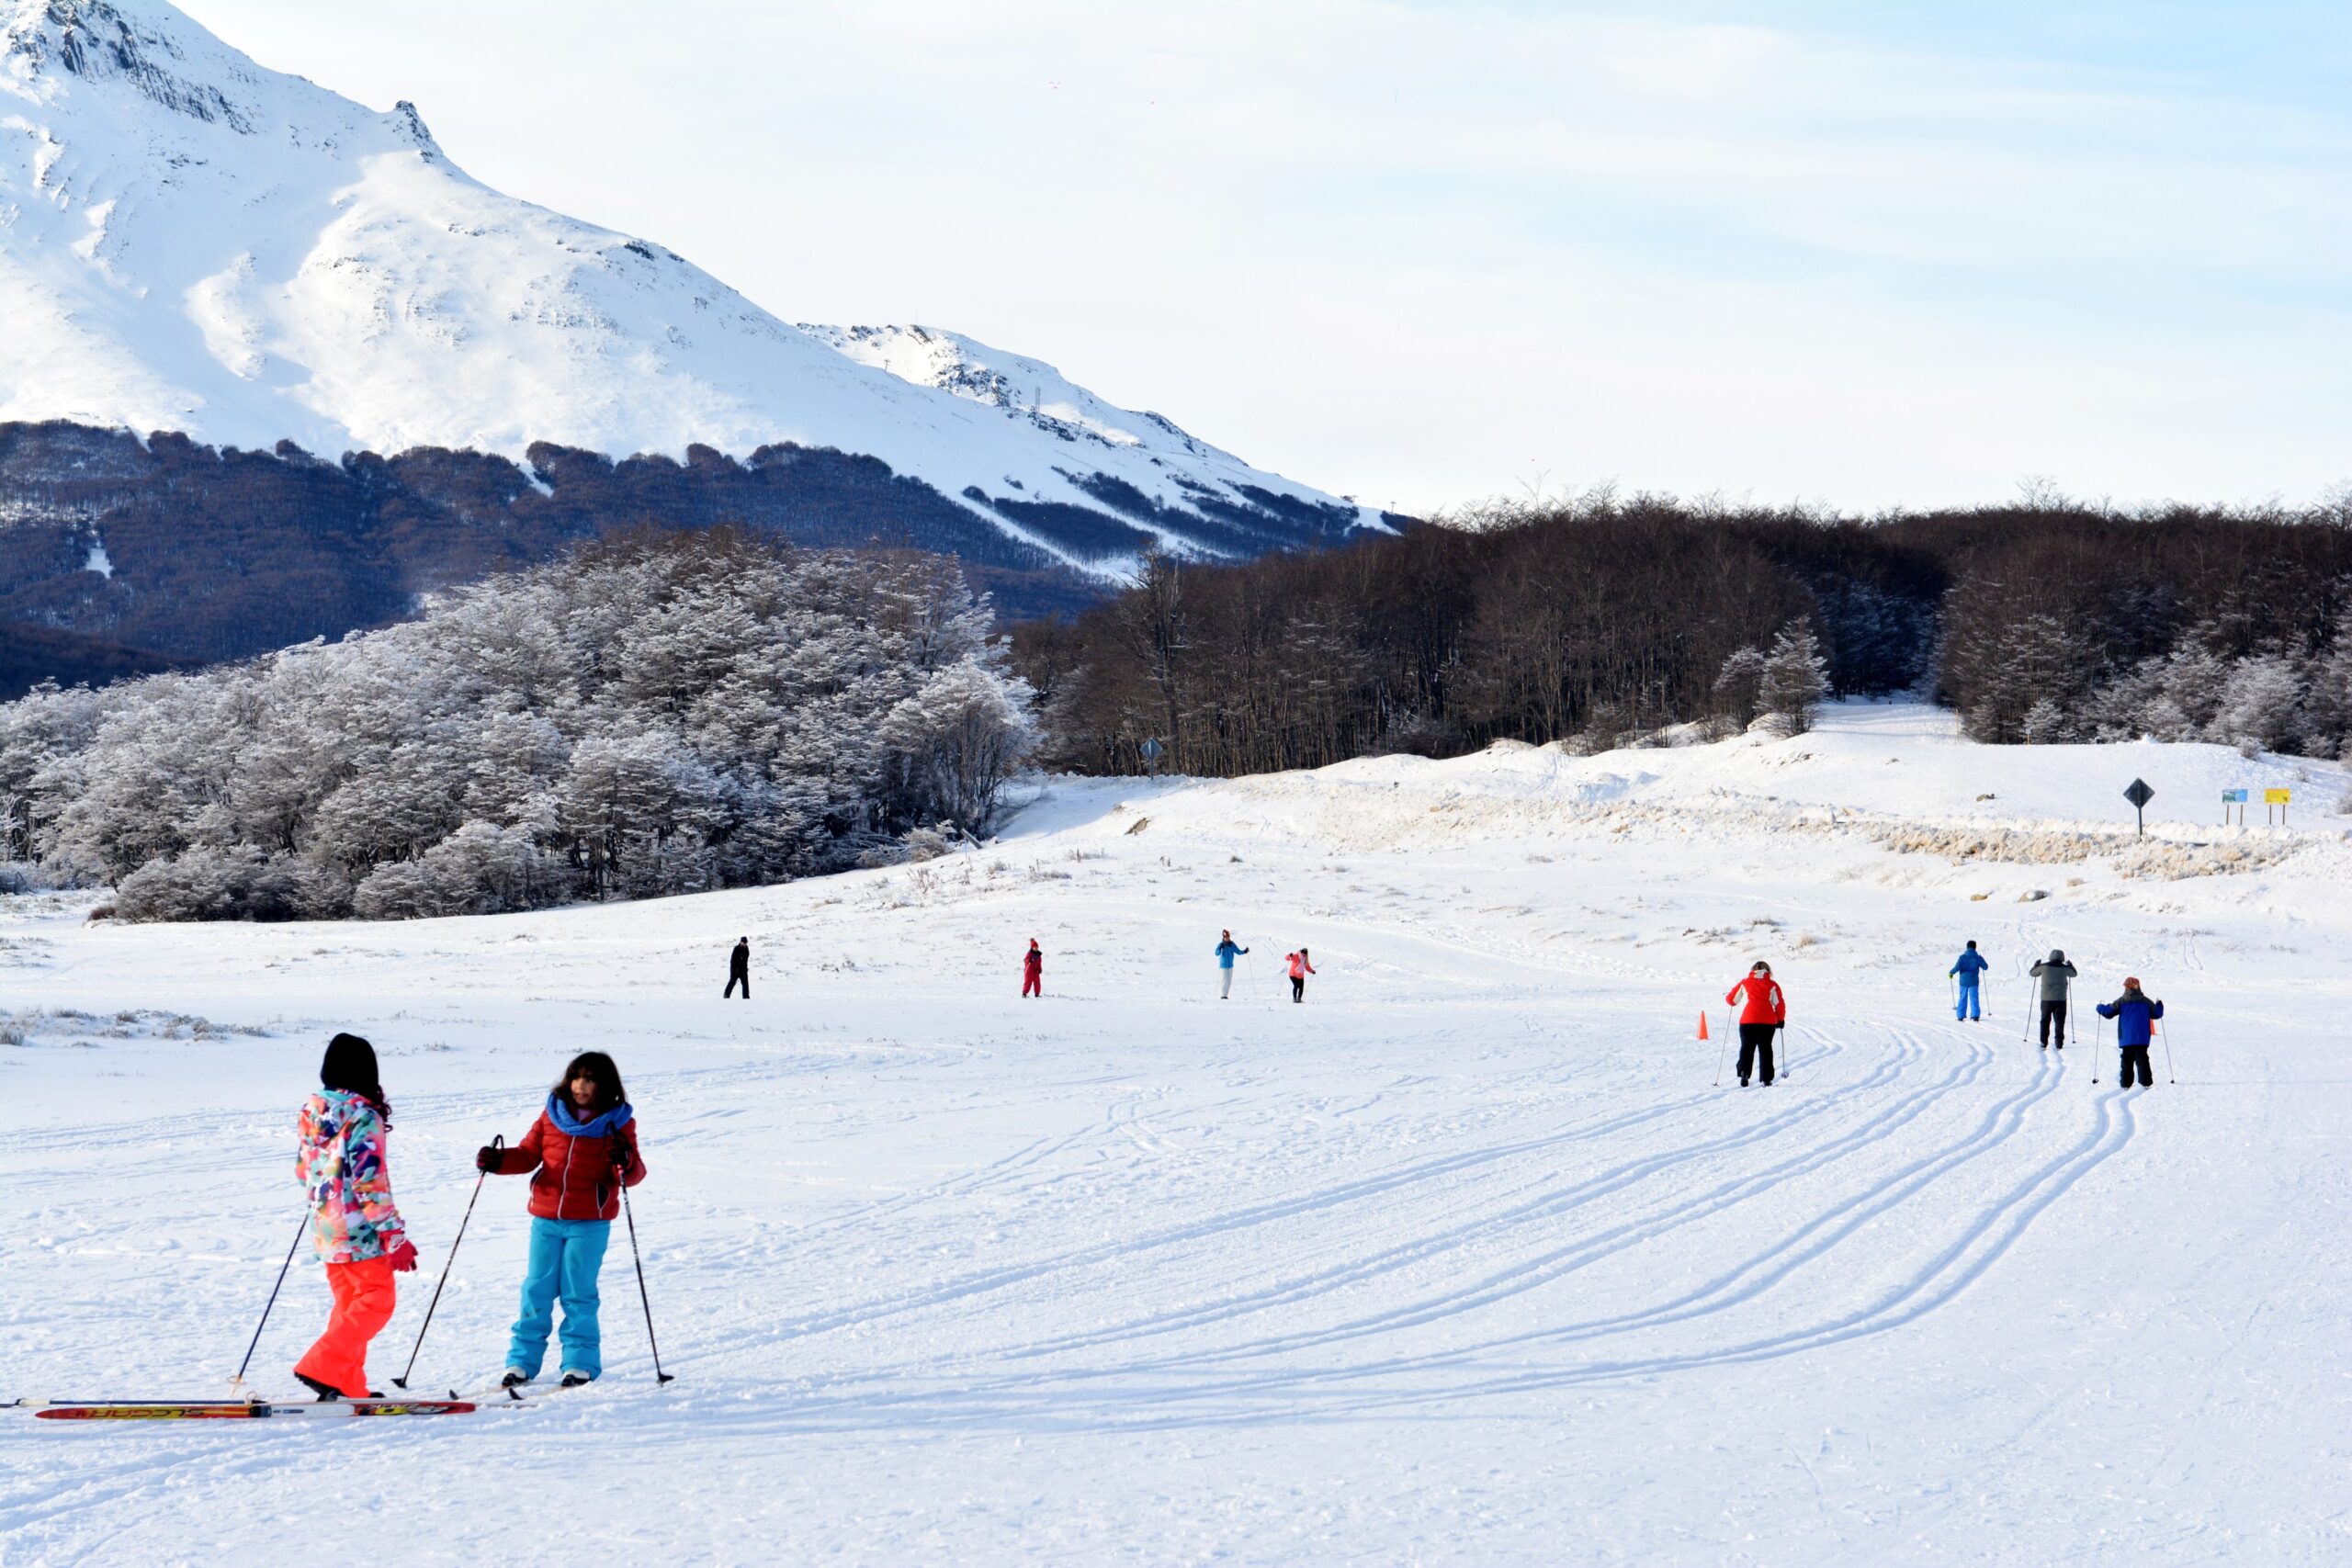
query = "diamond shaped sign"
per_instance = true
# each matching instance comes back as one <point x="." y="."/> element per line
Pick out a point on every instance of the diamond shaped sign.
<point x="2139" y="793"/>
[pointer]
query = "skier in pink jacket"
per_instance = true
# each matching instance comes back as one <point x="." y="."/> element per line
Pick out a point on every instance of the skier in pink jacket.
<point x="1299" y="970"/>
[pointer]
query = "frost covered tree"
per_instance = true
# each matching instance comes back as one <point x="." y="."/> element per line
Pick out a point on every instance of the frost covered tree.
<point x="1795" y="678"/>
<point x="655" y="716"/>
<point x="2261" y="701"/>
<point x="1739" y="686"/>
<point x="958" y="741"/>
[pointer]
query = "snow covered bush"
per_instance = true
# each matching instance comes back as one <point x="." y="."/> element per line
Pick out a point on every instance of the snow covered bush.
<point x="654" y="716"/>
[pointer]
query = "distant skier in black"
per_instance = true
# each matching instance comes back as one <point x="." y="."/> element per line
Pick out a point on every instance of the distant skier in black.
<point x="2056" y="978"/>
<point x="738" y="969"/>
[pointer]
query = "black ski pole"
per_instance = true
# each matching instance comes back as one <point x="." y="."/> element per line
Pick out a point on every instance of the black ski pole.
<point x="239" y="1381"/>
<point x="660" y="1377"/>
<point x="497" y="1141"/>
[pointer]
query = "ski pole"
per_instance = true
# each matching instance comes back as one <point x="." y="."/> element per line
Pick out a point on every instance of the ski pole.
<point x="497" y="1141"/>
<point x="239" y="1381"/>
<point x="660" y="1377"/>
<point x="2165" y="1035"/>
<point x="1781" y="1067"/>
<point x="1722" y="1050"/>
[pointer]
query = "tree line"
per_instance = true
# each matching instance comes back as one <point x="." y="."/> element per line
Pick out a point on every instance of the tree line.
<point x="660" y="714"/>
<point x="1599" y="620"/>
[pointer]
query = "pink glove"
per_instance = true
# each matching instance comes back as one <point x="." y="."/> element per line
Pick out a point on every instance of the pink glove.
<point x="403" y="1257"/>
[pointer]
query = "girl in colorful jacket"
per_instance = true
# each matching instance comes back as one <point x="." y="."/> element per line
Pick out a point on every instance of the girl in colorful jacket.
<point x="355" y="1229"/>
<point x="579" y="1153"/>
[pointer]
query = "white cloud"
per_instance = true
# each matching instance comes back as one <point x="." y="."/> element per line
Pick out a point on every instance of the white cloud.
<point x="1421" y="252"/>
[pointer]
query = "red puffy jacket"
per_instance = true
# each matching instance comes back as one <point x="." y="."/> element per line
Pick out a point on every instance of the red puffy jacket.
<point x="572" y="1173"/>
<point x="1764" y="1002"/>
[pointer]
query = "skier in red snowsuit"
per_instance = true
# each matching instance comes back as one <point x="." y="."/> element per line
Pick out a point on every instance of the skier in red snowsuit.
<point x="1762" y="1010"/>
<point x="1032" y="971"/>
<point x="1299" y="970"/>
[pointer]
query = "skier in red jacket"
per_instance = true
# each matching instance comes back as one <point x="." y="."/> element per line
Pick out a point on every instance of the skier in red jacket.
<point x="1032" y="971"/>
<point x="580" y="1153"/>
<point x="1762" y="1010"/>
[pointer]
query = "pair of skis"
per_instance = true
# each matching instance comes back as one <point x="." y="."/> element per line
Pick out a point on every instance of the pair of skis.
<point x="259" y="1409"/>
<point x="234" y="1409"/>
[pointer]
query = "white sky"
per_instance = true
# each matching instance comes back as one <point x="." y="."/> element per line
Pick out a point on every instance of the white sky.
<point x="1844" y="252"/>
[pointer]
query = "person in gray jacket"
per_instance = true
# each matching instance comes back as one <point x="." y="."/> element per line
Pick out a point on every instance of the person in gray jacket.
<point x="2055" y="977"/>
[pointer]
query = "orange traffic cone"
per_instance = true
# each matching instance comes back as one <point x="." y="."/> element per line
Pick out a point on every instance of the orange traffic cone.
<point x="1702" y="1023"/>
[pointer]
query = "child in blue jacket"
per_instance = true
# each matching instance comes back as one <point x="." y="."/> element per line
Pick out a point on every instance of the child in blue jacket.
<point x="2135" y="1014"/>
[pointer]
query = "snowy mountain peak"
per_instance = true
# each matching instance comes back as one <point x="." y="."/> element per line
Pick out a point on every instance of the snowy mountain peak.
<point x="98" y="42"/>
<point x="191" y="242"/>
<point x="931" y="356"/>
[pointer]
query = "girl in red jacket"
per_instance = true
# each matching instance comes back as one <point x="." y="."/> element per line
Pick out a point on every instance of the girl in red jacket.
<point x="580" y="1153"/>
<point x="1762" y="1010"/>
<point x="1032" y="971"/>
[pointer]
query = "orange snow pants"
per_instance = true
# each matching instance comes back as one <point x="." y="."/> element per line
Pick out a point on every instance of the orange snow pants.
<point x="363" y="1304"/>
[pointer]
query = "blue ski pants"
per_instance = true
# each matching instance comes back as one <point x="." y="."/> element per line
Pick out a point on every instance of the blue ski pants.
<point x="565" y="1258"/>
<point x="1967" y="1006"/>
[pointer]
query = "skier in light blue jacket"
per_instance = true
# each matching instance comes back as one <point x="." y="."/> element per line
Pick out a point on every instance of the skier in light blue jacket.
<point x="1970" y="966"/>
<point x="1226" y="949"/>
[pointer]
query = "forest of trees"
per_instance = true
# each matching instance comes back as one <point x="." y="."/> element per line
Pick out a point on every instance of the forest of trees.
<point x="659" y="713"/>
<point x="1600" y="621"/>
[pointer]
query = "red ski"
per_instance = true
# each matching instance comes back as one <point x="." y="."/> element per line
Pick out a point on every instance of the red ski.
<point x="233" y="1409"/>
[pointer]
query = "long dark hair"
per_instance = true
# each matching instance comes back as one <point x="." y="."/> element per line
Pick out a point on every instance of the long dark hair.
<point x="350" y="1065"/>
<point x="593" y="1065"/>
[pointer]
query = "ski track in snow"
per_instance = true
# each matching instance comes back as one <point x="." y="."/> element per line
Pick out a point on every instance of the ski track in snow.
<point x="1467" y="1261"/>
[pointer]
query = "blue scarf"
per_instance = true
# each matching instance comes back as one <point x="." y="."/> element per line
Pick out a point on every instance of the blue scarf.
<point x="603" y="1125"/>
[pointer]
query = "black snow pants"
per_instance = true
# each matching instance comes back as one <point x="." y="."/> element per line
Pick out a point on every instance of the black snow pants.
<point x="2053" y="1012"/>
<point x="738" y="978"/>
<point x="2135" y="1057"/>
<point x="1756" y="1049"/>
<point x="1299" y="987"/>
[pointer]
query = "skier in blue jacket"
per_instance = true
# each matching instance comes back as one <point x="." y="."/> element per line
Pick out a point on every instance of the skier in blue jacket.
<point x="1970" y="965"/>
<point x="2135" y="1014"/>
<point x="1225" y="951"/>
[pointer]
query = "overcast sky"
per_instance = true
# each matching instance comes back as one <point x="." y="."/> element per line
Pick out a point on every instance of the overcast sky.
<point x="1423" y="253"/>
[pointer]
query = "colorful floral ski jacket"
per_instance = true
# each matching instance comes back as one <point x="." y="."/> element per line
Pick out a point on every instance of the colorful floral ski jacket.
<point x="340" y="1163"/>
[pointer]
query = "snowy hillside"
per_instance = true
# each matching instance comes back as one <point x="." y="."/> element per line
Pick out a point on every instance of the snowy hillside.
<point x="190" y="242"/>
<point x="1464" y="1262"/>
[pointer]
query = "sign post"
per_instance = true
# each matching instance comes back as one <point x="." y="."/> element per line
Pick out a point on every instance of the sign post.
<point x="2278" y="797"/>
<point x="2138" y="795"/>
<point x="2233" y="797"/>
<point x="1151" y="750"/>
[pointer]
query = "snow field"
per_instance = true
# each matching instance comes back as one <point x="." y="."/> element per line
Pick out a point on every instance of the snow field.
<point x="1465" y="1261"/>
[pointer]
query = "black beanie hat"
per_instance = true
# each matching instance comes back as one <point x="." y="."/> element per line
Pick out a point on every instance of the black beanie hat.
<point x="350" y="1065"/>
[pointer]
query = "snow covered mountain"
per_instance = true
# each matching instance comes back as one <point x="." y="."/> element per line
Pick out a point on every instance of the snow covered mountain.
<point x="191" y="242"/>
